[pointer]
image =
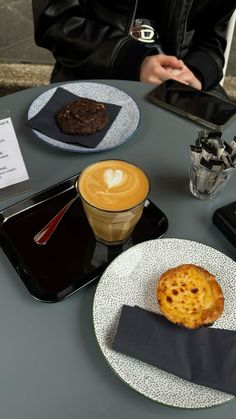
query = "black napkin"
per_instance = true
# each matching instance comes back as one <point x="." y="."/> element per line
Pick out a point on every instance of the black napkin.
<point x="205" y="356"/>
<point x="46" y="123"/>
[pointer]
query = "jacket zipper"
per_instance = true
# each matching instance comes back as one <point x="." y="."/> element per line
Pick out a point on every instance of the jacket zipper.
<point x="183" y="26"/>
<point x="131" y="24"/>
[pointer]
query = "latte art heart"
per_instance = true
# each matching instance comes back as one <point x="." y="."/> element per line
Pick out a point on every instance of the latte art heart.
<point x="113" y="185"/>
<point x="113" y="177"/>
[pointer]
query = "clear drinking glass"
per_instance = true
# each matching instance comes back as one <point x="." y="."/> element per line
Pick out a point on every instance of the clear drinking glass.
<point x="113" y="194"/>
<point x="206" y="183"/>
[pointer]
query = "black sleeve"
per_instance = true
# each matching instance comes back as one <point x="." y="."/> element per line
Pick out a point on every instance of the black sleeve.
<point x="87" y="43"/>
<point x="206" y="55"/>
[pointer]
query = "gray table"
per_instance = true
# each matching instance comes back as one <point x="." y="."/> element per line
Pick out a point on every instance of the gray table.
<point x="50" y="363"/>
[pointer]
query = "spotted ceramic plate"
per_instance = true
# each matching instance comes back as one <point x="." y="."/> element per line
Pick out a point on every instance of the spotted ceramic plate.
<point x="131" y="279"/>
<point x="120" y="131"/>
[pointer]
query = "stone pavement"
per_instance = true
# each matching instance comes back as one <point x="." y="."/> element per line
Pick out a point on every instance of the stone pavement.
<point x="23" y="64"/>
<point x="17" y="34"/>
<point x="15" y="77"/>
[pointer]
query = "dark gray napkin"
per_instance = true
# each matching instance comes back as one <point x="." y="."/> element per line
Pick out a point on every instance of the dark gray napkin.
<point x="46" y="123"/>
<point x="205" y="356"/>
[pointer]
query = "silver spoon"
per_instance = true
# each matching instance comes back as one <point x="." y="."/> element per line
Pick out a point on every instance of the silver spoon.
<point x="47" y="231"/>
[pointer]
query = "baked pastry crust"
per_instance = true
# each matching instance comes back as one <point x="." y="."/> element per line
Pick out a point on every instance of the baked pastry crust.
<point x="82" y="117"/>
<point x="190" y="296"/>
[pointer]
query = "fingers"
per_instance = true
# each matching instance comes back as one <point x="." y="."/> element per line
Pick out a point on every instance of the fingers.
<point x="186" y="76"/>
<point x="152" y="71"/>
<point x="159" y="68"/>
<point x="168" y="61"/>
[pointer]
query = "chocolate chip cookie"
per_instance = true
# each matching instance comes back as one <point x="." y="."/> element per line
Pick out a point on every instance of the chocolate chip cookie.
<point x="82" y="117"/>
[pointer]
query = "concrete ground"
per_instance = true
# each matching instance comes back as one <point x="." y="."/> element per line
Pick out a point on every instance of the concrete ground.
<point x="23" y="64"/>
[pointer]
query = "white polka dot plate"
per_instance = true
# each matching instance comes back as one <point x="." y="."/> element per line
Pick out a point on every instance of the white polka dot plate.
<point x="131" y="279"/>
<point x="121" y="130"/>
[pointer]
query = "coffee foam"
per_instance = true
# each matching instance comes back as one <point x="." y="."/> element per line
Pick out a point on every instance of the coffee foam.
<point x="113" y="177"/>
<point x="113" y="185"/>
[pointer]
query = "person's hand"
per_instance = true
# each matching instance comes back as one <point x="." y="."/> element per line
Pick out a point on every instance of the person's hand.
<point x="159" y="68"/>
<point x="186" y="76"/>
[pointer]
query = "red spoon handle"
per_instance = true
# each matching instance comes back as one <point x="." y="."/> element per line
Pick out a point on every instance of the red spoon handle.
<point x="44" y="235"/>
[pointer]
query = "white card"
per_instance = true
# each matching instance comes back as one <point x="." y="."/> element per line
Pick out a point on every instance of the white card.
<point x="13" y="172"/>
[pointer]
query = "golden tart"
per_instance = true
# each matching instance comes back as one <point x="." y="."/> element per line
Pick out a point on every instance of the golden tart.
<point x="190" y="296"/>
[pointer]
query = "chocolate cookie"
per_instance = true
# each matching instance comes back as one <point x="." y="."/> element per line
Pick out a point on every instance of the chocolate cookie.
<point x="83" y="117"/>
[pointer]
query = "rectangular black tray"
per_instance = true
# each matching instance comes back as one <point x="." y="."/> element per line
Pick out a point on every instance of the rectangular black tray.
<point x="72" y="258"/>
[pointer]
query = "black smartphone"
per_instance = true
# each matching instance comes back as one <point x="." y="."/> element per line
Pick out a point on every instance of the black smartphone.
<point x="205" y="108"/>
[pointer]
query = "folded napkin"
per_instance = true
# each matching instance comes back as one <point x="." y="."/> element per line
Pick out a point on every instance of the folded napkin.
<point x="46" y="123"/>
<point x="205" y="356"/>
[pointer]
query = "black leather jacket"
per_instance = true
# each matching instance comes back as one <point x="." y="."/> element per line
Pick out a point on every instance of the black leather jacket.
<point x="90" y="38"/>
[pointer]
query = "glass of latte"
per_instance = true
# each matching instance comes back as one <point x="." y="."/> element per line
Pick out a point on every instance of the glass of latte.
<point x="113" y="194"/>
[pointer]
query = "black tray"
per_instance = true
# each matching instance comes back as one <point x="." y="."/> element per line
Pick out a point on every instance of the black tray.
<point x="72" y="258"/>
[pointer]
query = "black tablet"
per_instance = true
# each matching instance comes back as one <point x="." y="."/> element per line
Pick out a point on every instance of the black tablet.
<point x="205" y="108"/>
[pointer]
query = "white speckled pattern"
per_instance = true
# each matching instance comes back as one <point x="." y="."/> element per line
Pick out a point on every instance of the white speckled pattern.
<point x="131" y="279"/>
<point x="120" y="131"/>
